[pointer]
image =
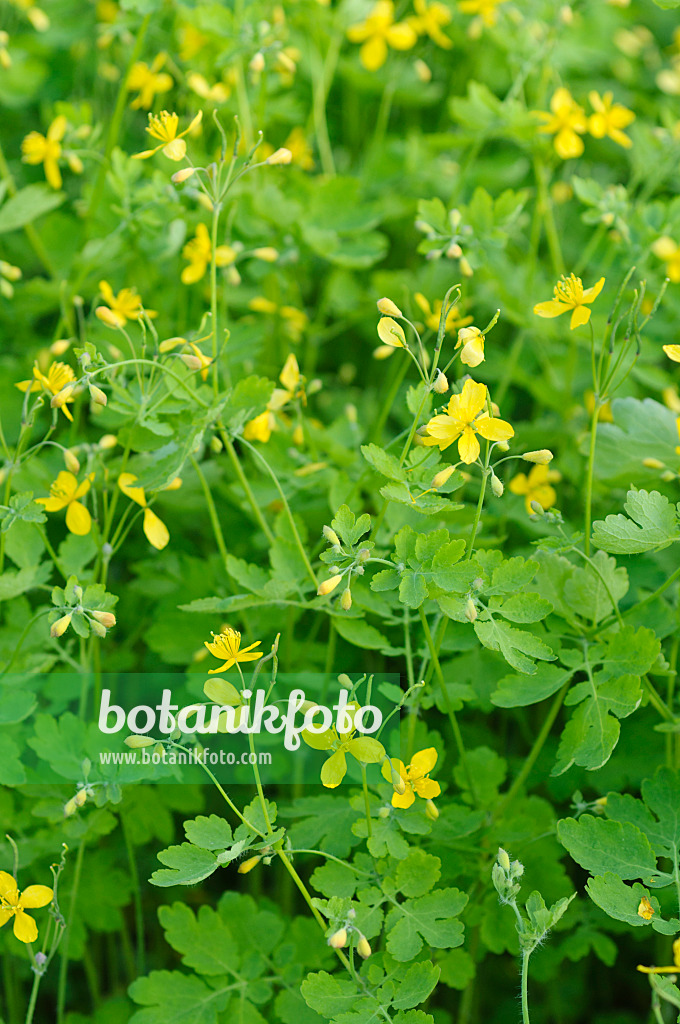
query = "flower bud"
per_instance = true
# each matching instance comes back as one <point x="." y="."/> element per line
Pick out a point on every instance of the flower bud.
<point x="363" y="948"/>
<point x="541" y="457"/>
<point x="388" y="308"/>
<point x="398" y="783"/>
<point x="179" y="176"/>
<point x="107" y="619"/>
<point x="346" y="600"/>
<point x="107" y="316"/>
<point x="431" y="810"/>
<point x="137" y="741"/>
<point x="384" y="812"/>
<point x="465" y="268"/>
<point x="496" y="486"/>
<point x="216" y="445"/>
<point x="328" y="586"/>
<point x="653" y="464"/>
<point x="59" y="627"/>
<point x="257" y="63"/>
<point x="70" y="807"/>
<point x="248" y="865"/>
<point x="70" y="461"/>
<point x="440" y="478"/>
<point x="668" y="476"/>
<point x="441" y="383"/>
<point x="338" y="939"/>
<point x="61" y="397"/>
<point x="470" y="610"/>
<point x="107" y="441"/>
<point x="364" y="554"/>
<point x="80" y="797"/>
<point x="97" y="629"/>
<point x="281" y="156"/>
<point x="503" y="859"/>
<point x="502" y="446"/>
<point x="192" y="362"/>
<point x="168" y="344"/>
<point x="331" y="536"/>
<point x="267" y="253"/>
<point x="174" y="484"/>
<point x="57" y="348"/>
<point x="97" y="395"/>
<point x="536" y="508"/>
<point x="454" y="251"/>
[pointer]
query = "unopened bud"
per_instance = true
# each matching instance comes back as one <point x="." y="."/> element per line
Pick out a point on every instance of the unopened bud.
<point x="431" y="810"/>
<point x="70" y="461"/>
<point x="257" y="63"/>
<point x="248" y="865"/>
<point x="281" y="156"/>
<point x="97" y="395"/>
<point x="107" y="441"/>
<point x="364" y="554"/>
<point x="59" y="627"/>
<point x="440" y="478"/>
<point x="503" y="859"/>
<point x="192" y="362"/>
<point x="107" y="619"/>
<point x="653" y="464"/>
<point x="346" y="600"/>
<point x="470" y="610"/>
<point x="179" y="176"/>
<point x="331" y="536"/>
<point x="384" y="812"/>
<point x="502" y="446"/>
<point x="441" y="383"/>
<point x="496" y="486"/>
<point x="80" y="797"/>
<point x="422" y="70"/>
<point x="61" y="397"/>
<point x="98" y="629"/>
<point x="454" y="251"/>
<point x="107" y="316"/>
<point x="328" y="586"/>
<point x="338" y="939"/>
<point x="70" y="807"/>
<point x="465" y="268"/>
<point x="388" y="308"/>
<point x="57" y="348"/>
<point x="363" y="948"/>
<point x="536" y="508"/>
<point x="137" y="741"/>
<point x="267" y="253"/>
<point x="668" y="476"/>
<point x="541" y="457"/>
<point x="216" y="444"/>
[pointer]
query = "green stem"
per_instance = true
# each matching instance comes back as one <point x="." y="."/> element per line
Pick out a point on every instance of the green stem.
<point x="137" y="895"/>
<point x="478" y="511"/>
<point x="212" y="512"/>
<point x="63" y="963"/>
<point x="455" y="728"/>
<point x="308" y="900"/>
<point x="657" y="593"/>
<point x="217" y="206"/>
<point x="589" y="476"/>
<point x="367" y="804"/>
<point x="37" y="978"/>
<point x="545" y="205"/>
<point x="525" y="988"/>
<point x="243" y="480"/>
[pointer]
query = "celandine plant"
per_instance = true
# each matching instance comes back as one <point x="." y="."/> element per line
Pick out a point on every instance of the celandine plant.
<point x="337" y="558"/>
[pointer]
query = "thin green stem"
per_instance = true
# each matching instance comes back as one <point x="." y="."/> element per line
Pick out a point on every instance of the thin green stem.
<point x="137" y="895"/>
<point x="243" y="480"/>
<point x="63" y="962"/>
<point x="217" y="207"/>
<point x="478" y="511"/>
<point x="589" y="477"/>
<point x="212" y="512"/>
<point x="367" y="804"/>
<point x="525" y="988"/>
<point x="37" y="978"/>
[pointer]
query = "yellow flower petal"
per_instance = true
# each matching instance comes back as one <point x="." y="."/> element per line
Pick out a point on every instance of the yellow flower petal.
<point x="423" y="762"/>
<point x="78" y="519"/>
<point x="155" y="530"/>
<point x="25" y="928"/>
<point x="36" y="896"/>
<point x="136" y="494"/>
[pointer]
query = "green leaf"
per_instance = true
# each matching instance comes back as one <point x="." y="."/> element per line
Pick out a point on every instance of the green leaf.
<point x="22" y="508"/>
<point x="349" y="528"/>
<point x="611" y="894"/>
<point x="518" y="647"/>
<point x="213" y="833"/>
<point x="383" y="462"/>
<point x="204" y="940"/>
<point x="431" y="918"/>
<point x="602" y="846"/>
<point x="593" y="730"/>
<point x="185" y="865"/>
<point x="27" y="205"/>
<point x="417" y="873"/>
<point x="12" y="771"/>
<point x="333" y="879"/>
<point x="361" y="634"/>
<point x="521" y="607"/>
<point x="520" y="691"/>
<point x="171" y="997"/>
<point x="653" y="525"/>
<point x="328" y="995"/>
<point x="585" y="592"/>
<point x="416" y="985"/>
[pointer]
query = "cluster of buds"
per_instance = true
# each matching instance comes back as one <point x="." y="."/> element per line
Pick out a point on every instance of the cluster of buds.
<point x="98" y="621"/>
<point x="445" y="240"/>
<point x="338" y="575"/>
<point x="8" y="273"/>
<point x="77" y="801"/>
<point x="505" y="875"/>
<point x="341" y="936"/>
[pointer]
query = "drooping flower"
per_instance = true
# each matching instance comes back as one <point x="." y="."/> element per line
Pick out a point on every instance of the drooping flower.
<point x="429" y="20"/>
<point x="668" y="251"/>
<point x="365" y="749"/>
<point x="567" y="122"/>
<point x="485" y="10"/>
<point x="227" y="645"/>
<point x="155" y="530"/>
<point x="537" y="486"/>
<point x="674" y="969"/>
<point x="58" y="376"/>
<point x="164" y="126"/>
<point x="463" y="420"/>
<point x="609" y="118"/>
<point x="570" y="295"/>
<point x="148" y="81"/>
<point x="65" y="492"/>
<point x="472" y="341"/>
<point x="378" y="32"/>
<point x="126" y="305"/>
<point x="14" y="903"/>
<point x="198" y="251"/>
<point x="414" y="776"/>
<point x="46" y="150"/>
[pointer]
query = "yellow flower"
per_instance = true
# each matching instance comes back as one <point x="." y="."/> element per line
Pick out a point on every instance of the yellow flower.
<point x="260" y="428"/>
<point x="645" y="909"/>
<point x="217" y="93"/>
<point x="126" y="305"/>
<point x="198" y="251"/>
<point x="432" y="313"/>
<point x="365" y="749"/>
<point x="675" y="969"/>
<point x="294" y="320"/>
<point x="570" y="295"/>
<point x="486" y="10"/>
<point x="463" y="420"/>
<point x="379" y="31"/>
<point x="609" y="118"/>
<point x="673" y="352"/>
<point x="46" y="150"/>
<point x="164" y="127"/>
<point x="155" y="530"/>
<point x="64" y="493"/>
<point x="391" y="333"/>
<point x="14" y="904"/>
<point x="148" y="81"/>
<point x="472" y="341"/>
<point x="668" y="251"/>
<point x="203" y="359"/>
<point x="429" y="20"/>
<point x="54" y="381"/>
<point x="536" y="486"/>
<point x="567" y="122"/>
<point x="414" y="776"/>
<point x="301" y="151"/>
<point x="227" y="645"/>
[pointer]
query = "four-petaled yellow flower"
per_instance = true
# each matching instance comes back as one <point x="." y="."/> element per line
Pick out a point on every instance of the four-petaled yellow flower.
<point x="148" y="81"/>
<point x="429" y="20"/>
<point x="537" y="486"/>
<point x="15" y="904"/>
<point x="365" y="749"/>
<point x="668" y="251"/>
<point x="46" y="150"/>
<point x="164" y="126"/>
<point x="52" y="382"/>
<point x="486" y="10"/>
<point x="126" y="305"/>
<point x="567" y="122"/>
<point x="227" y="645"/>
<point x="155" y="530"/>
<point x="609" y="118"/>
<point x="198" y="251"/>
<point x="463" y="420"/>
<point x="570" y="295"/>
<point x="415" y="777"/>
<point x="675" y="969"/>
<point x="65" y="493"/>
<point x="378" y="32"/>
<point x="432" y="313"/>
